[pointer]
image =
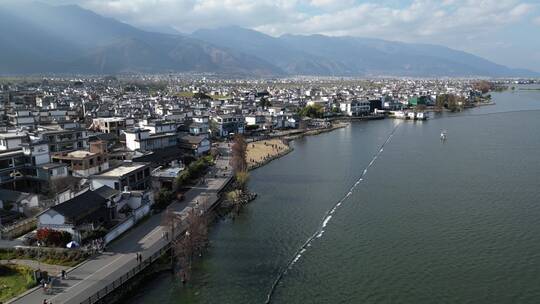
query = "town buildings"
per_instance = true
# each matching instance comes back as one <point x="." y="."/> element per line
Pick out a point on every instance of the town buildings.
<point x="90" y="155"/>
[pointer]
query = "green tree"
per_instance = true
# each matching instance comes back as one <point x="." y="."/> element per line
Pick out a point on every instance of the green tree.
<point x="265" y="102"/>
<point x="242" y="179"/>
<point x="313" y="111"/>
<point x="164" y="198"/>
<point x="449" y="101"/>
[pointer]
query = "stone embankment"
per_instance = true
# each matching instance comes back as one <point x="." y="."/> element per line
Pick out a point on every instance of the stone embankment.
<point x="317" y="131"/>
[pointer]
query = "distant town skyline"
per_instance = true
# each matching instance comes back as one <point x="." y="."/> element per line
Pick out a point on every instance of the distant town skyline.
<point x="503" y="31"/>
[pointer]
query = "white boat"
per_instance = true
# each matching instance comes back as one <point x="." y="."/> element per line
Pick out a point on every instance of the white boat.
<point x="443" y="135"/>
<point x="399" y="114"/>
<point x="421" y="115"/>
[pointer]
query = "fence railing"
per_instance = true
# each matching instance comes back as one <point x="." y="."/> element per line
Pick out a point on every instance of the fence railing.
<point x="100" y="294"/>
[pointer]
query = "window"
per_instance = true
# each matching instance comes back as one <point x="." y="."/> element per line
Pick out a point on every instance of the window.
<point x="5" y="163"/>
<point x="116" y="186"/>
<point x="18" y="161"/>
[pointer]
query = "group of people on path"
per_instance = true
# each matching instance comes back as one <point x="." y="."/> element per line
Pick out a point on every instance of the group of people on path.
<point x="97" y="245"/>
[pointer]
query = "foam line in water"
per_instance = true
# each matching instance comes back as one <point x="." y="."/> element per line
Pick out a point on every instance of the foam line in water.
<point x="326" y="219"/>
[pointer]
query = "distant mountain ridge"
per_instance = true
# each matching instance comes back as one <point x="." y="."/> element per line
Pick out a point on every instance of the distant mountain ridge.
<point x="38" y="38"/>
<point x="353" y="56"/>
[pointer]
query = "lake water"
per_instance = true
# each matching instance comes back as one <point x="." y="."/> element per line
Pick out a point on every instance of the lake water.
<point x="429" y="222"/>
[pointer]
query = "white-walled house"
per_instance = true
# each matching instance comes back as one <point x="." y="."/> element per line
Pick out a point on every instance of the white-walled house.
<point x="83" y="213"/>
<point x="38" y="152"/>
<point x="92" y="209"/>
<point x="12" y="140"/>
<point x="159" y="127"/>
<point x="133" y="175"/>
<point x="227" y="124"/>
<point x="142" y="139"/>
<point x="197" y="145"/>
<point x="252" y="120"/>
<point x="17" y="201"/>
<point x="354" y="107"/>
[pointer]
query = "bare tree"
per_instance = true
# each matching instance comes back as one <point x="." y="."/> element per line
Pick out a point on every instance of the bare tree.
<point x="239" y="162"/>
<point x="239" y="154"/>
<point x="192" y="227"/>
<point x="60" y="184"/>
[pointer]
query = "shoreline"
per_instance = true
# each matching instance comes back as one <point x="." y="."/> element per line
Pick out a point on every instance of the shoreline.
<point x="262" y="152"/>
<point x="285" y="139"/>
<point x="316" y="131"/>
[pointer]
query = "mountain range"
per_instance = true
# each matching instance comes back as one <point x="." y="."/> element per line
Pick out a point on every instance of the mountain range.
<point x="37" y="38"/>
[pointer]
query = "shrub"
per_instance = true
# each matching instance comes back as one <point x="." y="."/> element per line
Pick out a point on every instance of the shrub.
<point x="193" y="171"/>
<point x="53" y="237"/>
<point x="164" y="198"/>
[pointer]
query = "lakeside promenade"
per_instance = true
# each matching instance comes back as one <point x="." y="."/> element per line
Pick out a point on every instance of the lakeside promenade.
<point x="96" y="274"/>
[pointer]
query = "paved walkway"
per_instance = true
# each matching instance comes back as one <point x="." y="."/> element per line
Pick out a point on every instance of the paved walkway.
<point x="10" y="244"/>
<point x="146" y="238"/>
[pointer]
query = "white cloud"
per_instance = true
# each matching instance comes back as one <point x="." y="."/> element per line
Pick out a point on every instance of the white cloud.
<point x="188" y="15"/>
<point x="419" y="20"/>
<point x="537" y="20"/>
<point x="331" y="4"/>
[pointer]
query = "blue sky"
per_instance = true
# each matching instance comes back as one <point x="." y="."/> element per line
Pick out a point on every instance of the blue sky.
<point x="504" y="31"/>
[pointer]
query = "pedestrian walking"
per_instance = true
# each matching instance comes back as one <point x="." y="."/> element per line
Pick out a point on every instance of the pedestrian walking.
<point x="63" y="274"/>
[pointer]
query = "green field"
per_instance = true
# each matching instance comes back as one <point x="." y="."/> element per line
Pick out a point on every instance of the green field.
<point x="14" y="280"/>
<point x="185" y="94"/>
